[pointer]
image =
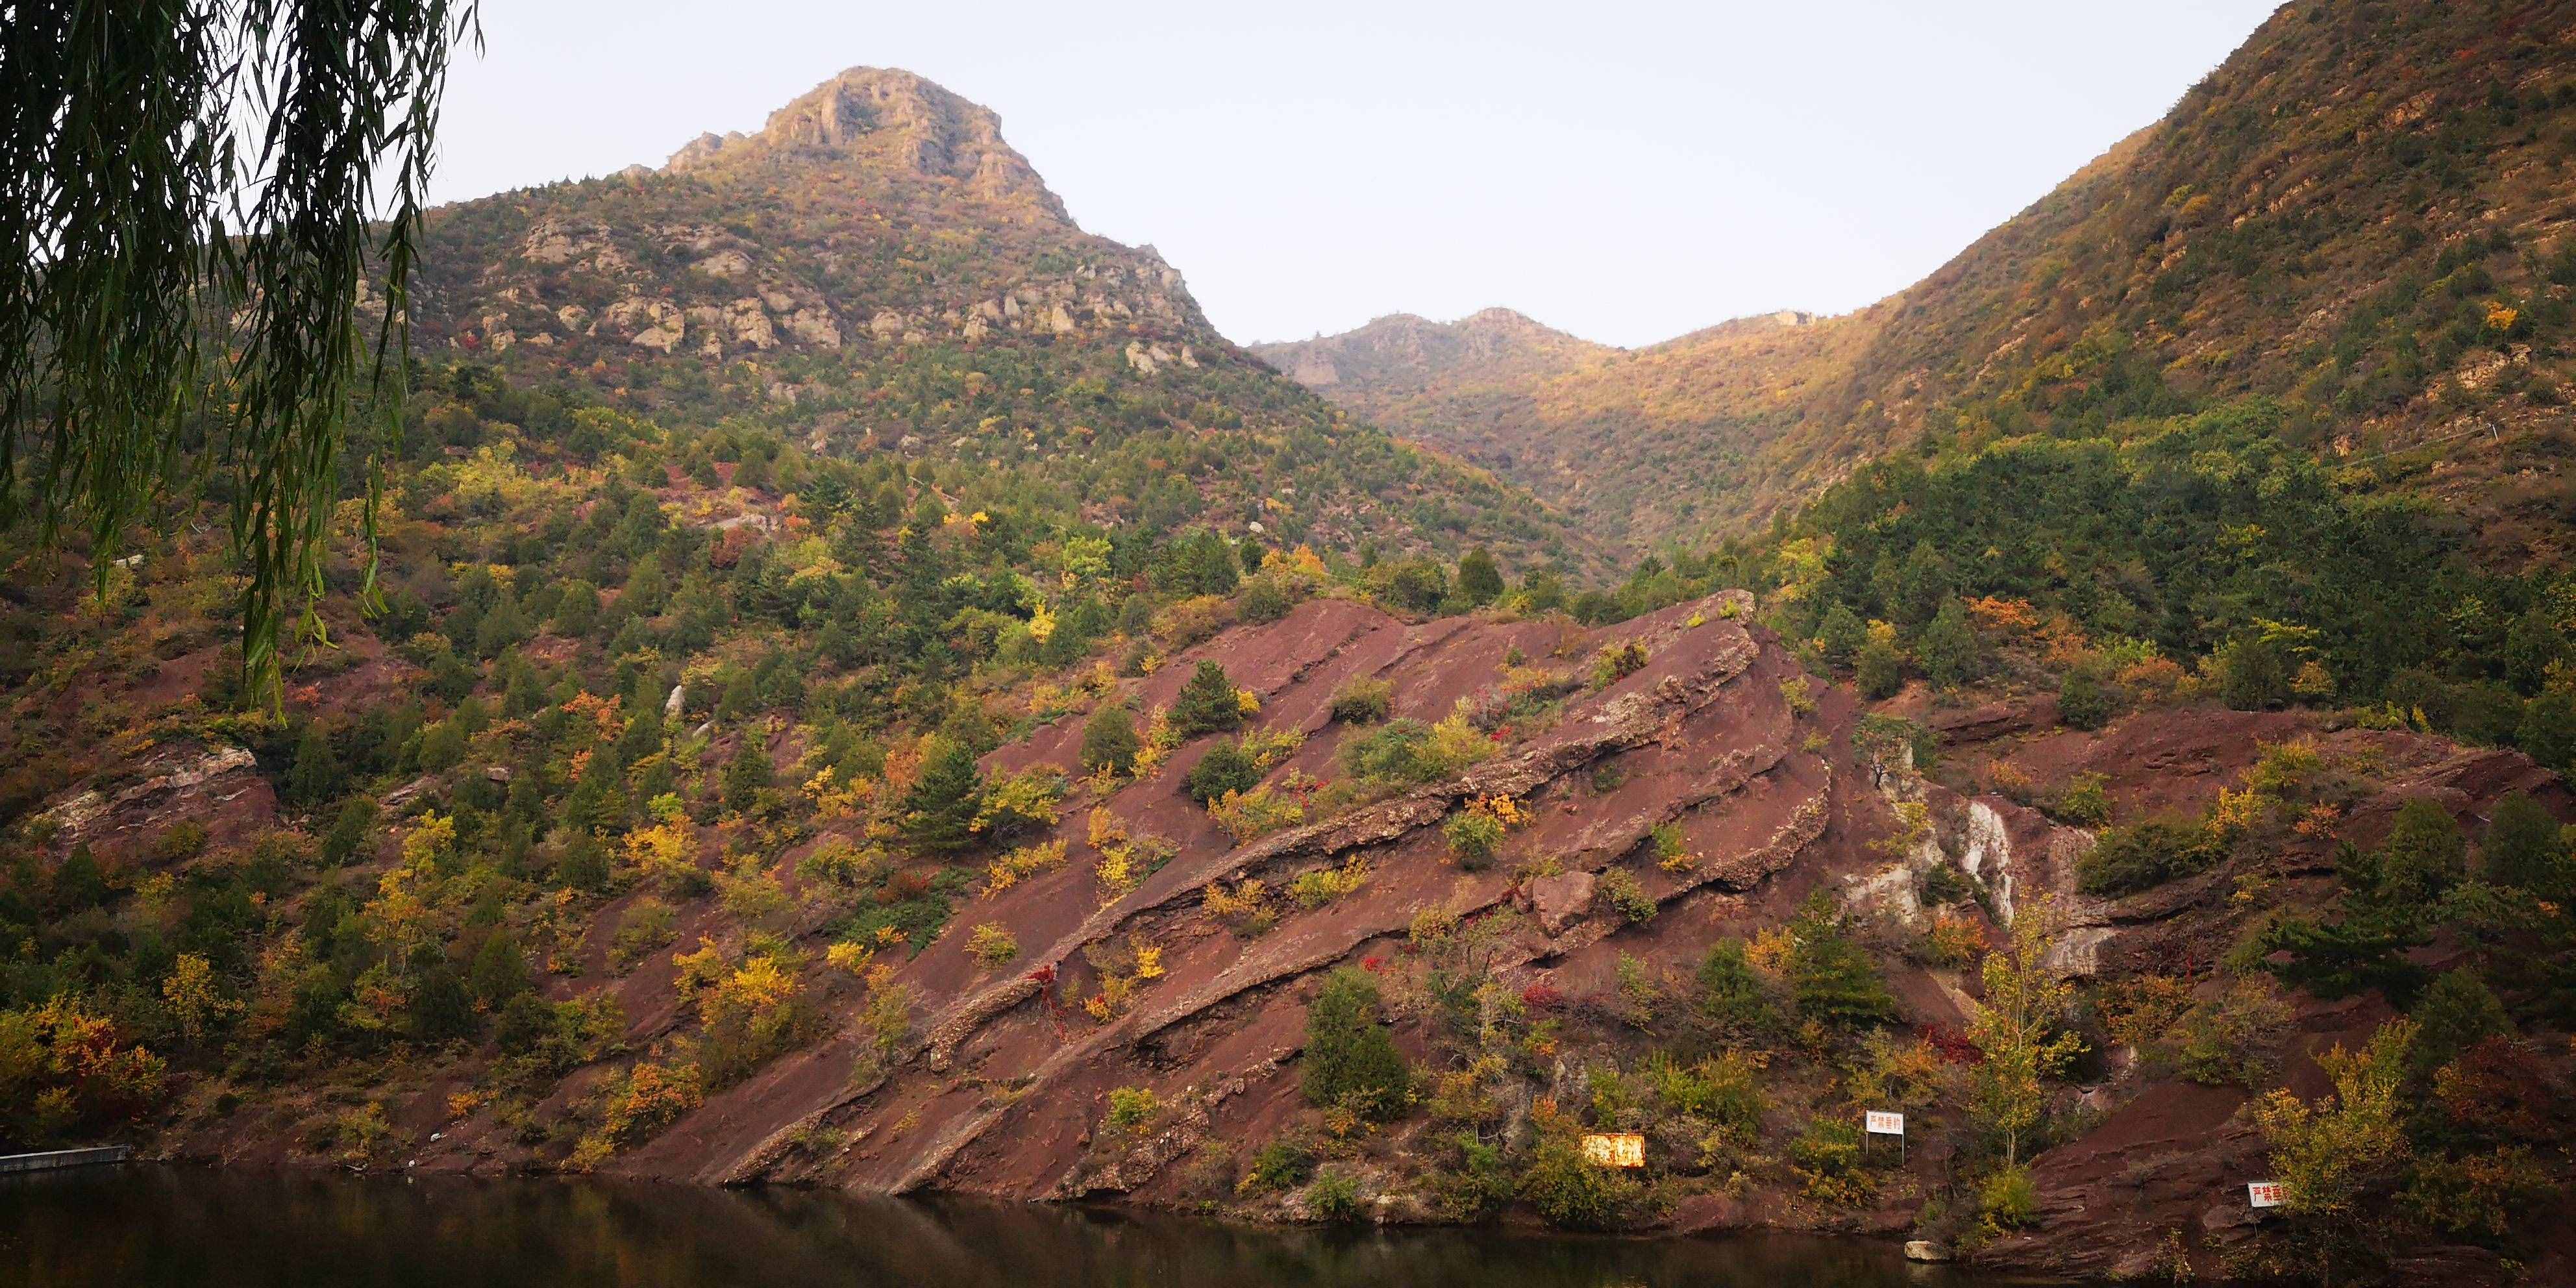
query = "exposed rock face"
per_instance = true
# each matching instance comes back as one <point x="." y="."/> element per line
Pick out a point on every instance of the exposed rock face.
<point x="1702" y="739"/>
<point x="216" y="786"/>
<point x="856" y="184"/>
<point x="887" y="115"/>
<point x="1560" y="899"/>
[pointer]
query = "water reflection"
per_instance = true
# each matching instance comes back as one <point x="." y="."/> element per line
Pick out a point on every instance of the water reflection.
<point x="145" y="1226"/>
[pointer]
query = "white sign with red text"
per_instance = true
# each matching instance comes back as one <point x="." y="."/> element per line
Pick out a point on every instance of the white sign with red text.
<point x="1881" y="1123"/>
<point x="2263" y="1194"/>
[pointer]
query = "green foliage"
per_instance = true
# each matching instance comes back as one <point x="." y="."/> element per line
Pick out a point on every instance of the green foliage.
<point x="1109" y="740"/>
<point x="1827" y="1160"/>
<point x="1731" y="993"/>
<point x="1131" y="1108"/>
<point x="2086" y="698"/>
<point x="1841" y="635"/>
<point x="1408" y="753"/>
<point x="2424" y="855"/>
<point x="1617" y="661"/>
<point x="1283" y="1164"/>
<point x="1724" y="1091"/>
<point x="1474" y="836"/>
<point x="1480" y="579"/>
<point x="2146" y="854"/>
<point x="1224" y="768"/>
<point x="1879" y="670"/>
<point x="2526" y="849"/>
<point x="1207" y="703"/>
<point x="1363" y="701"/>
<point x="2457" y="1012"/>
<point x="1831" y="977"/>
<point x="1573" y="1194"/>
<point x="2363" y="949"/>
<point x="1334" y="1196"/>
<point x="1626" y="896"/>
<point x="2086" y="801"/>
<point x="2216" y="534"/>
<point x="1351" y="1061"/>
<point x="2007" y="1199"/>
<point x="106" y="355"/>
<point x="1949" y="648"/>
<point x="747" y="775"/>
<point x="939" y="812"/>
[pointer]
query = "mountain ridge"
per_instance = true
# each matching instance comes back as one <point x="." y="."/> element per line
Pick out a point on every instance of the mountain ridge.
<point x="862" y="270"/>
<point x="2329" y="218"/>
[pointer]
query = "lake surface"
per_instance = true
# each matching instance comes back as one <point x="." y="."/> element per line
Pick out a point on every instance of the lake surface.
<point x="147" y="1225"/>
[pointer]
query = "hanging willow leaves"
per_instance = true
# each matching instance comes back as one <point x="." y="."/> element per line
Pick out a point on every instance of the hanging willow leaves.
<point x="190" y="193"/>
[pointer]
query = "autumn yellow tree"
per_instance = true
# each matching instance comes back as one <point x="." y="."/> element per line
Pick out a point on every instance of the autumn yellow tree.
<point x="2326" y="1154"/>
<point x="2321" y="1151"/>
<point x="2019" y="1027"/>
<point x="195" y="997"/>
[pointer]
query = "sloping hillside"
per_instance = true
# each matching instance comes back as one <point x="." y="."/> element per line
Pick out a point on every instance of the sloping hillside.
<point x="1716" y="904"/>
<point x="2364" y="213"/>
<point x="876" y="274"/>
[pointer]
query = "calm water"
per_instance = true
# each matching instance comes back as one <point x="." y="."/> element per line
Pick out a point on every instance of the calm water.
<point x="148" y="1225"/>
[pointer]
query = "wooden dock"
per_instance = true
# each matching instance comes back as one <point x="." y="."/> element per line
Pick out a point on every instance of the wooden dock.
<point x="48" y="1160"/>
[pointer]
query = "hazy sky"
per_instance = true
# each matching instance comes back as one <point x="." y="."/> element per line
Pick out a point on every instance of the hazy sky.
<point x="1626" y="172"/>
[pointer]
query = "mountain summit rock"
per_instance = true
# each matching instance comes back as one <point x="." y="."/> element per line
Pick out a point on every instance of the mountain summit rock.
<point x="889" y="118"/>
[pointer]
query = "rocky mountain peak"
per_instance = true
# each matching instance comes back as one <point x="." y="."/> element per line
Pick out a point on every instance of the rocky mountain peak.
<point x="889" y="118"/>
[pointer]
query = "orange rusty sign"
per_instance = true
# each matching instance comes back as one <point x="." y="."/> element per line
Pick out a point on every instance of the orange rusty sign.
<point x="1614" y="1149"/>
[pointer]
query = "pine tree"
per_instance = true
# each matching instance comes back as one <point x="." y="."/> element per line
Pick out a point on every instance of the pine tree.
<point x="316" y="777"/>
<point x="2547" y="732"/>
<point x="2525" y="848"/>
<point x="2424" y="855"/>
<point x="939" y="812"/>
<point x="583" y="865"/>
<point x="1225" y="768"/>
<point x="1841" y="636"/>
<point x="501" y="628"/>
<point x="577" y="609"/>
<point x="349" y="831"/>
<point x="2456" y="1013"/>
<point x="1350" y="1060"/>
<point x="1731" y="994"/>
<point x="440" y="1008"/>
<point x="1208" y="565"/>
<point x="1480" y="580"/>
<point x="1207" y="703"/>
<point x="500" y="970"/>
<point x="1949" y="648"/>
<point x="522" y="693"/>
<point x="1109" y="739"/>
<point x="1922" y="584"/>
<point x="1831" y="976"/>
<point x="747" y="774"/>
<point x="1879" y="670"/>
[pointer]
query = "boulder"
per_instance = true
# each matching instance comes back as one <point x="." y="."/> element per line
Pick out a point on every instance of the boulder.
<point x="1561" y="900"/>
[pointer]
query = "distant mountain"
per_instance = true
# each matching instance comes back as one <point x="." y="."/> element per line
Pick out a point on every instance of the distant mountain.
<point x="1398" y="356"/>
<point x="877" y="271"/>
<point x="2365" y="213"/>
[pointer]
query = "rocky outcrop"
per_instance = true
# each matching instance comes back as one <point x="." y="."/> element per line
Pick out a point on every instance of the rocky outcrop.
<point x="1700" y="744"/>
<point x="218" y="787"/>
<point x="889" y="117"/>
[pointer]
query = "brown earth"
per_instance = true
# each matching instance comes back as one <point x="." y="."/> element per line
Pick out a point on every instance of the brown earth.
<point x="1001" y="1085"/>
